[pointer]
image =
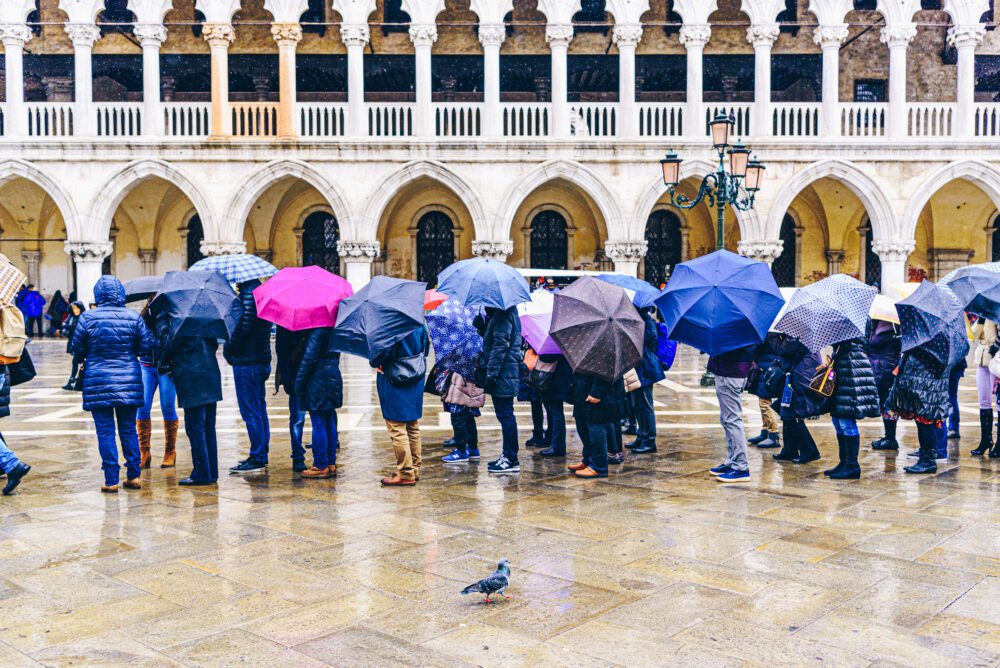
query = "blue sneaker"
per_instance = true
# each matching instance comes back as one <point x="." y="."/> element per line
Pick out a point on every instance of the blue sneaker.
<point x="719" y="470"/>
<point x="474" y="454"/>
<point x="734" y="476"/>
<point x="455" y="457"/>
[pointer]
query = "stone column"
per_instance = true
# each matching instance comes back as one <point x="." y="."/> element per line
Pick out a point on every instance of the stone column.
<point x="210" y="248"/>
<point x="965" y="39"/>
<point x="626" y="255"/>
<point x="32" y="260"/>
<point x="219" y="36"/>
<point x="358" y="257"/>
<point x="897" y="38"/>
<point x="762" y="251"/>
<point x="355" y="37"/>
<point x="151" y="37"/>
<point x="88" y="256"/>
<point x="298" y="231"/>
<point x="762" y="37"/>
<point x="491" y="36"/>
<point x="14" y="36"/>
<point x="183" y="231"/>
<point x="627" y="37"/>
<point x="423" y="37"/>
<point x="893" y="255"/>
<point x="558" y="36"/>
<point x="83" y="36"/>
<point x="147" y="258"/>
<point x="288" y="36"/>
<point x="498" y="250"/>
<point x="834" y="258"/>
<point x="694" y="38"/>
<point x="829" y="38"/>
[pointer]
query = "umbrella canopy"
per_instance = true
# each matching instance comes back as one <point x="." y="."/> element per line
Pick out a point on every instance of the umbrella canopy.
<point x="933" y="327"/>
<point x="237" y="268"/>
<point x="645" y="293"/>
<point x="11" y="280"/>
<point x="141" y="288"/>
<point x="457" y="343"/>
<point x="433" y="299"/>
<point x="977" y="290"/>
<point x="720" y="302"/>
<point x="829" y="311"/>
<point x="536" y="321"/>
<point x="884" y="308"/>
<point x="786" y="294"/>
<point x="300" y="298"/>
<point x="903" y="290"/>
<point x="378" y="315"/>
<point x="484" y="282"/>
<point x="198" y="303"/>
<point x="597" y="328"/>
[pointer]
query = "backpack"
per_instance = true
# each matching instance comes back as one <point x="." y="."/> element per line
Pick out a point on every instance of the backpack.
<point x="666" y="349"/>
<point x="12" y="334"/>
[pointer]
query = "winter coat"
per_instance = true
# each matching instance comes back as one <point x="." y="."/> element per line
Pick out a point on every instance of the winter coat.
<point x="110" y="339"/>
<point x="733" y="364"/>
<point x="57" y="309"/>
<point x="650" y="371"/>
<point x="5" y="393"/>
<point x="984" y="333"/>
<point x="289" y="347"/>
<point x="611" y="408"/>
<point x="501" y="356"/>
<point x="70" y="323"/>
<point x="561" y="386"/>
<point x="854" y="396"/>
<point x="801" y="364"/>
<point x="766" y="356"/>
<point x="319" y="385"/>
<point x="884" y="348"/>
<point x="402" y="404"/>
<point x="194" y="367"/>
<point x="33" y="304"/>
<point x="919" y="391"/>
<point x="250" y="343"/>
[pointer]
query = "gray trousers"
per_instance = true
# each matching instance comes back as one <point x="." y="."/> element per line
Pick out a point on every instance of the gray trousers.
<point x="728" y="392"/>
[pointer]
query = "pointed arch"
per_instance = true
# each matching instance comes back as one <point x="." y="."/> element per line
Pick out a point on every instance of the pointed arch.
<point x="984" y="175"/>
<point x="22" y="169"/>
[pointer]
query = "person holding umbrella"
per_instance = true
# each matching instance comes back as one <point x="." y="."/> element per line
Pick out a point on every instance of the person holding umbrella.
<point x="10" y="464"/>
<point x="154" y="381"/>
<point x="855" y="397"/>
<point x="884" y="350"/>
<point x="794" y="372"/>
<point x="650" y="372"/>
<point x="984" y="333"/>
<point x="289" y="347"/>
<point x="320" y="389"/>
<point x="555" y="388"/>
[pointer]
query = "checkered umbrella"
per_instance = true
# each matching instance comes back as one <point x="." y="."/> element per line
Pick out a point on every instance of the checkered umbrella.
<point x="456" y="341"/>
<point x="829" y="311"/>
<point x="932" y="327"/>
<point x="238" y="268"/>
<point x="11" y="280"/>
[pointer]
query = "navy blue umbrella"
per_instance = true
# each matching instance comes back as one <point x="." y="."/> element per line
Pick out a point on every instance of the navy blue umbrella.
<point x="645" y="293"/>
<point x="377" y="316"/>
<point x="141" y="288"/>
<point x="457" y="342"/>
<point x="932" y="325"/>
<point x="198" y="303"/>
<point x="977" y="291"/>
<point x="484" y="282"/>
<point x="720" y="302"/>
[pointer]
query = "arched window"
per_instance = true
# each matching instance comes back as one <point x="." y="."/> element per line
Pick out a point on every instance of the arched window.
<point x="873" y="263"/>
<point x="320" y="234"/>
<point x="663" y="246"/>
<point x="548" y="241"/>
<point x="195" y="235"/>
<point x="116" y="17"/>
<point x="783" y="268"/>
<point x="435" y="245"/>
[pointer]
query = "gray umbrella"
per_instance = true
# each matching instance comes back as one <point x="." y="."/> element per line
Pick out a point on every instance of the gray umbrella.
<point x="377" y="316"/>
<point x="829" y="311"/>
<point x="597" y="328"/>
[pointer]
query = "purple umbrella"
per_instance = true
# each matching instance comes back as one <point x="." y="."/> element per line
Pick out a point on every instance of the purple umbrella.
<point x="536" y="320"/>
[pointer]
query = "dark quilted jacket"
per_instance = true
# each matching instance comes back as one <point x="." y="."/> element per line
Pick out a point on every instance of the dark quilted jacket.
<point x="501" y="356"/>
<point x="855" y="396"/>
<point x="767" y="355"/>
<point x="250" y="344"/>
<point x="110" y="339"/>
<point x="919" y="391"/>
<point x="794" y="358"/>
<point x="884" y="348"/>
<point x="194" y="366"/>
<point x="612" y="395"/>
<point x="319" y="385"/>
<point x="650" y="371"/>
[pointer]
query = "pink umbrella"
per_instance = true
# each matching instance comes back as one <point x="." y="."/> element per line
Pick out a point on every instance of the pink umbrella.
<point x="301" y="298"/>
<point x="536" y="317"/>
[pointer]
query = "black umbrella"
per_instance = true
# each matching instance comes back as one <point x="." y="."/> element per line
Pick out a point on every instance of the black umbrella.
<point x="198" y="303"/>
<point x="377" y="316"/>
<point x="933" y="326"/>
<point x="977" y="290"/>
<point x="597" y="328"/>
<point x="142" y="288"/>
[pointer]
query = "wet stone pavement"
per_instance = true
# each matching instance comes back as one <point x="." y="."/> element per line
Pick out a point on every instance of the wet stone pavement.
<point x="657" y="565"/>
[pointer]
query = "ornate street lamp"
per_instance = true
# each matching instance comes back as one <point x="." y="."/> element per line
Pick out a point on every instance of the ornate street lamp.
<point x="736" y="187"/>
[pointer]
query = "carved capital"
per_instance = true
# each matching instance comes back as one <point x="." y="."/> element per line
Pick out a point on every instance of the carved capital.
<point x="150" y="34"/>
<point x="287" y="33"/>
<point x="893" y="251"/>
<point x="358" y="251"/>
<point x="763" y="34"/>
<point x="627" y="35"/>
<point x="559" y="34"/>
<point x="146" y="255"/>
<point x="695" y="35"/>
<point x="355" y="34"/>
<point x="900" y="35"/>
<point x="762" y="251"/>
<point x="88" y="251"/>
<point x="492" y="34"/>
<point x="625" y="251"/>
<point x="83" y="34"/>
<point x="830" y="36"/>
<point x="959" y="36"/>
<point x="423" y="34"/>
<point x="218" y="34"/>
<point x="209" y="248"/>
<point x="15" y="34"/>
<point x="494" y="250"/>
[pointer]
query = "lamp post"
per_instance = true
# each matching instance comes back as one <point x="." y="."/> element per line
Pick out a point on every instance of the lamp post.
<point x="736" y="187"/>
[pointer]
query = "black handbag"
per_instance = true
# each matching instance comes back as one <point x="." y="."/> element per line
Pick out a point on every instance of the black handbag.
<point x="430" y="385"/>
<point x="406" y="370"/>
<point x="78" y="382"/>
<point x="23" y="370"/>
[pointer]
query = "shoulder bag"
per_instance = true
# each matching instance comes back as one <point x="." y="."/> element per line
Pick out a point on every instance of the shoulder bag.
<point x="824" y="382"/>
<point x="406" y="370"/>
<point x="540" y="377"/>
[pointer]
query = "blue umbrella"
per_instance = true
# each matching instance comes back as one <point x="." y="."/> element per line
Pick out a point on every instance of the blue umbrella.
<point x="141" y="288"/>
<point x="645" y="293"/>
<point x="237" y="268"/>
<point x="977" y="290"/>
<point x="933" y="327"/>
<point x="377" y="316"/>
<point x="720" y="302"/>
<point x="484" y="282"/>
<point x="829" y="311"/>
<point x="457" y="342"/>
<point x="198" y="303"/>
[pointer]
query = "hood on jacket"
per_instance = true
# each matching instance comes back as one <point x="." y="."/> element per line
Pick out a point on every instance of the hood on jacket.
<point x="109" y="291"/>
<point x="79" y="305"/>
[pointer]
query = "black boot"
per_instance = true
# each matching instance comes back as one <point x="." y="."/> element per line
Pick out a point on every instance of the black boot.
<point x="808" y="452"/>
<point x="773" y="440"/>
<point x="851" y="470"/>
<point x="14" y="477"/>
<point x="888" y="442"/>
<point x="995" y="450"/>
<point x="793" y="438"/>
<point x="840" y="458"/>
<point x="757" y="439"/>
<point x="928" y="450"/>
<point x="985" y="432"/>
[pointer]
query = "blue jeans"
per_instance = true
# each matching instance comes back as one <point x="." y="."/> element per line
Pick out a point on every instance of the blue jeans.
<point x="104" y="422"/>
<point x="504" y="408"/>
<point x="252" y="399"/>
<point x="151" y="381"/>
<point x="325" y="439"/>
<point x="8" y="460"/>
<point x="466" y="431"/>
<point x="557" y="425"/>
<point x="941" y="443"/>
<point x="199" y="425"/>
<point x="595" y="448"/>
<point x="296" y="423"/>
<point x="954" y="418"/>
<point x="645" y="416"/>
<point x="845" y="427"/>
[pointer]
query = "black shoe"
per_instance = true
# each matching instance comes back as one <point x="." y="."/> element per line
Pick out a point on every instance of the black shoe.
<point x="773" y="440"/>
<point x="450" y="444"/>
<point x="299" y="467"/>
<point x="885" y="444"/>
<point x="630" y="430"/>
<point x="878" y="443"/>
<point x="248" y="465"/>
<point x="552" y="452"/>
<point x="805" y="459"/>
<point x="70" y="385"/>
<point x="191" y="482"/>
<point x="536" y="442"/>
<point x="14" y="478"/>
<point x="914" y="454"/>
<point x="758" y="438"/>
<point x="644" y="449"/>
<point x="840" y="465"/>
<point x="953" y="434"/>
<point x="849" y="472"/>
<point x="634" y="444"/>
<point x="922" y="467"/>
<point x="985" y="432"/>
<point x="849" y="469"/>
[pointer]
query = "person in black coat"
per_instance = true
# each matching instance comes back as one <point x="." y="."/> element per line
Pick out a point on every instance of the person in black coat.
<point x="598" y="407"/>
<point x="192" y="362"/>
<point x="248" y="351"/>
<point x="554" y="395"/>
<point x="10" y="464"/>
<point x="320" y="389"/>
<point x="797" y="402"/>
<point x="920" y="393"/>
<point x="767" y="355"/>
<point x="884" y="348"/>
<point x="855" y="397"/>
<point x="650" y="372"/>
<point x="76" y="309"/>
<point x="500" y="373"/>
<point x="289" y="347"/>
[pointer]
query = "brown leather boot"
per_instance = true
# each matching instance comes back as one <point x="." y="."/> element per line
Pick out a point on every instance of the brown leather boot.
<point x="145" y="429"/>
<point x="170" y="451"/>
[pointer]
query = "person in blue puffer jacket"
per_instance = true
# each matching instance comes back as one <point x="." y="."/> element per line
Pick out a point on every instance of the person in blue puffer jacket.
<point x="110" y="339"/>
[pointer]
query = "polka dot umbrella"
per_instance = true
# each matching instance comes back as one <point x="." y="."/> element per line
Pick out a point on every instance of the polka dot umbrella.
<point x="932" y="327"/>
<point x="827" y="312"/>
<point x="976" y="289"/>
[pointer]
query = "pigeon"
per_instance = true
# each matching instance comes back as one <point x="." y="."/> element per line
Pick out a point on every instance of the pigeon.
<point x="494" y="584"/>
